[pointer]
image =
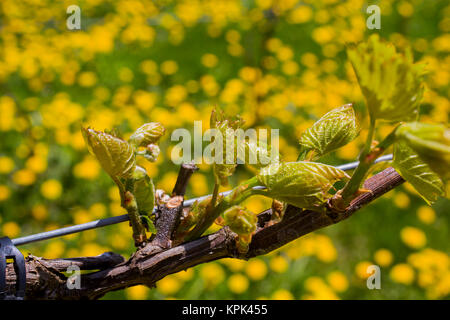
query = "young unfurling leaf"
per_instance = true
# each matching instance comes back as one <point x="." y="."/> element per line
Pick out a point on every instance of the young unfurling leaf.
<point x="146" y="134"/>
<point x="390" y="81"/>
<point x="334" y="130"/>
<point x="431" y="142"/>
<point x="144" y="191"/>
<point x="115" y="155"/>
<point x="414" y="170"/>
<point x="226" y="127"/>
<point x="240" y="220"/>
<point x="301" y="184"/>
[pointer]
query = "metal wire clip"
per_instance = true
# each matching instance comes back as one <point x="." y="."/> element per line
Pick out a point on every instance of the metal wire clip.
<point x="9" y="251"/>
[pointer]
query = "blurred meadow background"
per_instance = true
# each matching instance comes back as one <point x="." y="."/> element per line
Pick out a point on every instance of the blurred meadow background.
<point x="280" y="64"/>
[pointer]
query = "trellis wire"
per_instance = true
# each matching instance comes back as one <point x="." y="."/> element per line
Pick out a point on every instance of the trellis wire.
<point x="114" y="220"/>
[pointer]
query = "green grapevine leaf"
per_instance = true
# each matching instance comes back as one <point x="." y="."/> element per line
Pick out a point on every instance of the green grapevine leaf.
<point x="431" y="142"/>
<point x="390" y="81"/>
<point x="146" y="134"/>
<point x="334" y="130"/>
<point x="414" y="170"/>
<point x="302" y="184"/>
<point x="150" y="224"/>
<point x="115" y="155"/>
<point x="144" y="191"/>
<point x="225" y="169"/>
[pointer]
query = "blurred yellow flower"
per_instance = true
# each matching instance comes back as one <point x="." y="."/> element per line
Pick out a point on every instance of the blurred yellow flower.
<point x="125" y="74"/>
<point x="325" y="250"/>
<point x="98" y="210"/>
<point x="11" y="229"/>
<point x="39" y="212"/>
<point x="169" y="285"/>
<point x="319" y="289"/>
<point x="81" y="216"/>
<point x="92" y="249"/>
<point x="282" y="294"/>
<point x="237" y="283"/>
<point x="88" y="169"/>
<point x="361" y="269"/>
<point x="24" y="177"/>
<point x="212" y="274"/>
<point x="402" y="273"/>
<point x="54" y="249"/>
<point x="168" y="181"/>
<point x="279" y="264"/>
<point x="139" y="292"/>
<point x="209" y="60"/>
<point x="233" y="264"/>
<point x="426" y="214"/>
<point x="4" y="192"/>
<point x="7" y="110"/>
<point x="6" y="165"/>
<point x="51" y="189"/>
<point x="256" y="269"/>
<point x="201" y="184"/>
<point x="338" y="281"/>
<point x="383" y="257"/>
<point x="413" y="237"/>
<point x="185" y="275"/>
<point x="405" y="8"/>
<point x="36" y="164"/>
<point x="300" y="14"/>
<point x="87" y="79"/>
<point x="169" y="67"/>
<point x="401" y="200"/>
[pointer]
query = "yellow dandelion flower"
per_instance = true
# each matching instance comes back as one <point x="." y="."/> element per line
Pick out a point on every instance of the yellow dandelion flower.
<point x="279" y="264"/>
<point x="338" y="281"/>
<point x="36" y="164"/>
<point x="402" y="273"/>
<point x="169" y="67"/>
<point x="361" y="269"/>
<point x="98" y="210"/>
<point x="185" y="275"/>
<point x="137" y="292"/>
<point x="401" y="200"/>
<point x="413" y="237"/>
<point x="24" y="177"/>
<point x="405" y="9"/>
<point x="234" y="265"/>
<point x="54" y="249"/>
<point x="212" y="274"/>
<point x="11" y="229"/>
<point x="39" y="212"/>
<point x="256" y="269"/>
<point x="237" y="283"/>
<point x="426" y="214"/>
<point x="168" y="285"/>
<point x="383" y="257"/>
<point x="87" y="79"/>
<point x="5" y="193"/>
<point x="300" y="14"/>
<point x="126" y="75"/>
<point x="282" y="294"/>
<point x="209" y="60"/>
<point x="6" y="165"/>
<point x="88" y="169"/>
<point x="51" y="189"/>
